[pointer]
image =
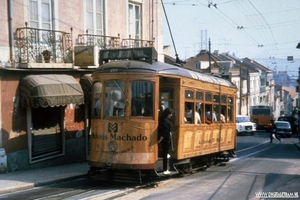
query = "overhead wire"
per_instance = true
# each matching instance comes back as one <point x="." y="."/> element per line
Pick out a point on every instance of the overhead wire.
<point x="235" y="25"/>
<point x="275" y="43"/>
<point x="258" y="44"/>
<point x="269" y="36"/>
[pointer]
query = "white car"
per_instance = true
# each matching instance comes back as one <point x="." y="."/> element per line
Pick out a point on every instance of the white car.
<point x="244" y="125"/>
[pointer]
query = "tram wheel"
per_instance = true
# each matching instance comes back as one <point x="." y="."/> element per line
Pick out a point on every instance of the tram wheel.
<point x="210" y="162"/>
<point x="186" y="168"/>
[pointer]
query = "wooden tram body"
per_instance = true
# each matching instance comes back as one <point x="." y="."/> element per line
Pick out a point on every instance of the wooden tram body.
<point x="127" y="139"/>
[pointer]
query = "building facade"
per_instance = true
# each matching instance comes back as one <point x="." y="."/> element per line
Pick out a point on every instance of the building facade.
<point x="48" y="51"/>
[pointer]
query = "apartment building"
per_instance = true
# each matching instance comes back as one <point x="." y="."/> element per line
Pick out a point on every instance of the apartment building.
<point x="48" y="51"/>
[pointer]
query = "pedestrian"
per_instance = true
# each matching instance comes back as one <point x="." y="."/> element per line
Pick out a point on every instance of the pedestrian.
<point x="274" y="132"/>
<point x="164" y="136"/>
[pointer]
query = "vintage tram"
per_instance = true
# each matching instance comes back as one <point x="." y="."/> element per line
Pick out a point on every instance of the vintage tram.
<point x="130" y="90"/>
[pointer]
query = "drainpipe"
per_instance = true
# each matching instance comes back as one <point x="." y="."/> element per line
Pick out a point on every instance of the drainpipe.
<point x="10" y="18"/>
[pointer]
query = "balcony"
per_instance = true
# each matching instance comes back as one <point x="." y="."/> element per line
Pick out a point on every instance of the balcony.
<point x="42" y="48"/>
<point x="101" y="41"/>
<point x="132" y="43"/>
<point x="88" y="46"/>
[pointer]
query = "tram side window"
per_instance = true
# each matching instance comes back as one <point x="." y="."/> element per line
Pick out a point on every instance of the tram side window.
<point x="223" y="115"/>
<point x="216" y="108"/>
<point x="208" y="110"/>
<point x="142" y="98"/>
<point x="97" y="87"/>
<point x="189" y="107"/>
<point x="114" y="98"/>
<point x="199" y="106"/>
<point x="230" y="110"/>
<point x="166" y="101"/>
<point x="210" y="115"/>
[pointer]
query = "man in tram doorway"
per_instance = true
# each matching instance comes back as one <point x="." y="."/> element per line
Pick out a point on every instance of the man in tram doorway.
<point x="164" y="136"/>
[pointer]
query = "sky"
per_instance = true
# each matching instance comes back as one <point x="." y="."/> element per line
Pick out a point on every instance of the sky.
<point x="264" y="30"/>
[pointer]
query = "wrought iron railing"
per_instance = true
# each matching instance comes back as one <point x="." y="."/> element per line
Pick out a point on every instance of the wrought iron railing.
<point x="112" y="42"/>
<point x="131" y="43"/>
<point x="103" y="42"/>
<point x="42" y="45"/>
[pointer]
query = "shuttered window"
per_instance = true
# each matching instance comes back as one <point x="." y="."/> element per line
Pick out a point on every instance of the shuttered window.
<point x="94" y="17"/>
<point x="40" y="14"/>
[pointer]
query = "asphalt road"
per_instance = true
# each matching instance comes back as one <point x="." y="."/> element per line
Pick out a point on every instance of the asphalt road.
<point x="260" y="168"/>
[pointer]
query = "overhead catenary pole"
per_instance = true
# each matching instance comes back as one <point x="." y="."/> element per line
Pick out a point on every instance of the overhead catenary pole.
<point x="298" y="105"/>
<point x="241" y="87"/>
<point x="209" y="56"/>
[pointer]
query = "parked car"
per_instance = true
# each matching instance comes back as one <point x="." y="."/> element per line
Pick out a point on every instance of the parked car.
<point x="244" y="125"/>
<point x="284" y="128"/>
<point x="291" y="120"/>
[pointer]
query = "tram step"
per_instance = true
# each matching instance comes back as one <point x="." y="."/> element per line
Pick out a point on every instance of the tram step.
<point x="124" y="176"/>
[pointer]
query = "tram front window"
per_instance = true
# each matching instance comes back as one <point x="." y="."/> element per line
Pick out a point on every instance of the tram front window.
<point x="142" y="98"/>
<point x="114" y="100"/>
<point x="97" y="98"/>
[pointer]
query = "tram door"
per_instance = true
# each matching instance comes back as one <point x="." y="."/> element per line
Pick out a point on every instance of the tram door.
<point x="167" y="94"/>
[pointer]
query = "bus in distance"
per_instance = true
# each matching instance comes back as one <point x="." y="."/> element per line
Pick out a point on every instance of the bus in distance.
<point x="262" y="116"/>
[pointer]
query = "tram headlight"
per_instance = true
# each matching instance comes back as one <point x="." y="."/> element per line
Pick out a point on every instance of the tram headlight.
<point x="112" y="146"/>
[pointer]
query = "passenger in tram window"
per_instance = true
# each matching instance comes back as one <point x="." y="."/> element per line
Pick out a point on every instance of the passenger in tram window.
<point x="222" y="117"/>
<point x="118" y="109"/>
<point x="207" y="114"/>
<point x="207" y="121"/>
<point x="189" y="118"/>
<point x="188" y="113"/>
<point x="197" y="118"/>
<point x="215" y="116"/>
<point x="97" y="106"/>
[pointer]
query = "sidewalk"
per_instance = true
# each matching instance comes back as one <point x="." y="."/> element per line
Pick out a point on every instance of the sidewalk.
<point x="15" y="181"/>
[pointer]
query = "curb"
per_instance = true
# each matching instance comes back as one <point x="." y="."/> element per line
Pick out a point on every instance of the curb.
<point x="26" y="186"/>
<point x="297" y="145"/>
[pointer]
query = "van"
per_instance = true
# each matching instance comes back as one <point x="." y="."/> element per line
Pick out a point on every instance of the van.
<point x="244" y="125"/>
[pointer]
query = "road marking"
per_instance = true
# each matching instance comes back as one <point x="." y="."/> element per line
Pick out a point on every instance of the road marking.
<point x="235" y="159"/>
<point x="253" y="146"/>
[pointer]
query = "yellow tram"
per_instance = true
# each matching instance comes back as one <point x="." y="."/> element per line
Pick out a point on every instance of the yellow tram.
<point x="130" y="90"/>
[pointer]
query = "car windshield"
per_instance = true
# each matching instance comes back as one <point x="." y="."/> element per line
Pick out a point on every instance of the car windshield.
<point x="282" y="125"/>
<point x="242" y="119"/>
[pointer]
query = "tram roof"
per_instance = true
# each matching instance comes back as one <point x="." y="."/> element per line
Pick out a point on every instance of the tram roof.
<point x="144" y="59"/>
<point x="159" y="68"/>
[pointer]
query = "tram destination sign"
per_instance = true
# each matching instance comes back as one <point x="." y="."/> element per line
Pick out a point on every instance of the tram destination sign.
<point x="148" y="54"/>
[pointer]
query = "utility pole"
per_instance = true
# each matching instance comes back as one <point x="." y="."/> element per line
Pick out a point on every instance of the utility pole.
<point x="241" y="87"/>
<point x="209" y="56"/>
<point x="298" y="105"/>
